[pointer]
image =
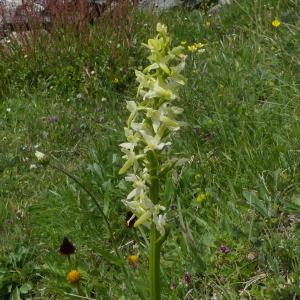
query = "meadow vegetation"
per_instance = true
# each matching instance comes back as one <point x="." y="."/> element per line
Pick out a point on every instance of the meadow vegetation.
<point x="235" y="203"/>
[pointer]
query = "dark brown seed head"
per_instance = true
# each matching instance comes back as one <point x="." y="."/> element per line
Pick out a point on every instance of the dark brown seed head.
<point x="66" y="248"/>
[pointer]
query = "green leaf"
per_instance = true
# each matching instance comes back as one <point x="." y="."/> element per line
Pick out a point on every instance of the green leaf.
<point x="25" y="288"/>
<point x="110" y="257"/>
<point x="107" y="187"/>
<point x="15" y="294"/>
<point x="97" y="169"/>
<point x="3" y="211"/>
<point x="253" y="201"/>
<point x="293" y="206"/>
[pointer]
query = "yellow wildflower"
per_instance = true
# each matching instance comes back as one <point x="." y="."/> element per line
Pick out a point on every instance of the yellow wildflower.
<point x="115" y="80"/>
<point x="199" y="45"/>
<point x="74" y="276"/>
<point x="133" y="260"/>
<point x="196" y="47"/>
<point x="201" y="197"/>
<point x="276" y="23"/>
<point x="192" y="48"/>
<point x="183" y="42"/>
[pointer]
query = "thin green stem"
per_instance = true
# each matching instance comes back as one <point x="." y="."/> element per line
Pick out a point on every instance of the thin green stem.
<point x="154" y="260"/>
<point x="69" y="261"/>
<point x="153" y="171"/>
<point x="93" y="197"/>
<point x="154" y="264"/>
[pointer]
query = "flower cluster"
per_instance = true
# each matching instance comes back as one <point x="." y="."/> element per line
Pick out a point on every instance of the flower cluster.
<point x="74" y="276"/>
<point x="150" y="124"/>
<point x="201" y="197"/>
<point x="133" y="260"/>
<point x="276" y="23"/>
<point x="224" y="249"/>
<point x="196" y="47"/>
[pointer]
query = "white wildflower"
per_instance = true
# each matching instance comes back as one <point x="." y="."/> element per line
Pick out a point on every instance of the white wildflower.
<point x="40" y="156"/>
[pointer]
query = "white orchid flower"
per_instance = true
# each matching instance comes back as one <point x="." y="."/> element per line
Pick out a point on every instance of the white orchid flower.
<point x="132" y="138"/>
<point x="158" y="91"/>
<point x="132" y="107"/>
<point x="152" y="214"/>
<point x="132" y="160"/>
<point x="149" y="125"/>
<point x="160" y="223"/>
<point x="153" y="142"/>
<point x="165" y="115"/>
<point x="140" y="188"/>
<point x="138" y="127"/>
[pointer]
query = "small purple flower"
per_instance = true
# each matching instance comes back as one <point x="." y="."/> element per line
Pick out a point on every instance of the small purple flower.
<point x="187" y="278"/>
<point x="53" y="119"/>
<point x="224" y="249"/>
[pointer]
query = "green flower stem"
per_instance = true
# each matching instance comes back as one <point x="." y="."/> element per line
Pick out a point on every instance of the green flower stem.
<point x="154" y="265"/>
<point x="153" y="171"/>
<point x="69" y="261"/>
<point x="154" y="260"/>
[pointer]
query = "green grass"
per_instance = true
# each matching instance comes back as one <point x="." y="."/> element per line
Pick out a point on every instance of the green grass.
<point x="242" y="138"/>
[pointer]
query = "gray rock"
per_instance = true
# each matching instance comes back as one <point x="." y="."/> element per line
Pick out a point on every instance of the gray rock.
<point x="167" y="4"/>
<point x="159" y="4"/>
<point x="18" y="14"/>
<point x="215" y="9"/>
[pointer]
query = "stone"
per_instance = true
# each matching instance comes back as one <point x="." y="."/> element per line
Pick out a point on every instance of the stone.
<point x="159" y="4"/>
<point x="17" y="14"/>
<point x="215" y="9"/>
